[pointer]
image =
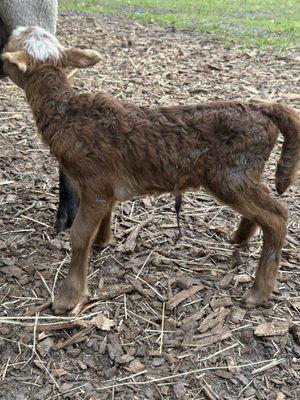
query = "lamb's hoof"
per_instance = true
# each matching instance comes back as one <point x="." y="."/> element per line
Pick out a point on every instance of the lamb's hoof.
<point x="103" y="239"/>
<point x="68" y="300"/>
<point x="101" y="245"/>
<point x="235" y="239"/>
<point x="65" y="216"/>
<point x="64" y="221"/>
<point x="61" y="225"/>
<point x="253" y="298"/>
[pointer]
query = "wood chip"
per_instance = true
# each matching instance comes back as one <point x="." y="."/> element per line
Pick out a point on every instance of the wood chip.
<point x="179" y="391"/>
<point x="280" y="396"/>
<point x="113" y="293"/>
<point x="223" y="373"/>
<point x="221" y="303"/>
<point x="130" y="244"/>
<point x="208" y="393"/>
<point x="194" y="317"/>
<point x="277" y="328"/>
<point x="242" y="278"/>
<point x="136" y="284"/>
<point x="55" y="326"/>
<point x="76" y="338"/>
<point x="237" y="314"/>
<point x="213" y="319"/>
<point x="135" y="366"/>
<point x="226" y="281"/>
<point x="59" y="372"/>
<point x="123" y="359"/>
<point x="207" y="339"/>
<point x="39" y="309"/>
<point x="183" y="295"/>
<point x="230" y="363"/>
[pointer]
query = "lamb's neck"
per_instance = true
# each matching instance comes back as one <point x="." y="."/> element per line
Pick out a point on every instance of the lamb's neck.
<point x="48" y="92"/>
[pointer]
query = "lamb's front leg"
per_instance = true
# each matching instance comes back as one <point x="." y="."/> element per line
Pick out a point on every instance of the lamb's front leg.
<point x="75" y="287"/>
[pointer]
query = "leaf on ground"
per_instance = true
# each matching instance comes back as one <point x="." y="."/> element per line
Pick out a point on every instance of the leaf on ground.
<point x="103" y="323"/>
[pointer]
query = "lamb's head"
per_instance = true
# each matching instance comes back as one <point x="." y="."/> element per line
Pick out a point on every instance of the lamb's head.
<point x="30" y="48"/>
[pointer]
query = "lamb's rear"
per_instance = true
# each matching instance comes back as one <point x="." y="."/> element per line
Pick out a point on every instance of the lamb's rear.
<point x="288" y="122"/>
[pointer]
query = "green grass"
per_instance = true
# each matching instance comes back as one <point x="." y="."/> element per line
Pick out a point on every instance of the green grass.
<point x="248" y="22"/>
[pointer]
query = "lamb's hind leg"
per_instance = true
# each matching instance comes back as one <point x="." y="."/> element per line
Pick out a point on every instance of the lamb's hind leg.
<point x="244" y="231"/>
<point x="258" y="206"/>
<point x="103" y="235"/>
<point x="75" y="288"/>
<point x="272" y="217"/>
<point x="246" y="228"/>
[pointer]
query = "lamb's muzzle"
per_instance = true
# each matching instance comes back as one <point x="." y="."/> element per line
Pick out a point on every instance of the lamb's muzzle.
<point x="114" y="151"/>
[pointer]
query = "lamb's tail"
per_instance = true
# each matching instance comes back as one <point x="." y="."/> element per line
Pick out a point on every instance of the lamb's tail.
<point x="288" y="122"/>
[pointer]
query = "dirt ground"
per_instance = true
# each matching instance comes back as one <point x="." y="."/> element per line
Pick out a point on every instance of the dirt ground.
<point x="166" y="321"/>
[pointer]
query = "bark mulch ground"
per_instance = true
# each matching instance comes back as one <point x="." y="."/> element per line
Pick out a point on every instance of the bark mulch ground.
<point x="166" y="321"/>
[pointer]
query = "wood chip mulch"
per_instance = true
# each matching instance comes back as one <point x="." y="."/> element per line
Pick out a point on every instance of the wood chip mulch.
<point x="165" y="321"/>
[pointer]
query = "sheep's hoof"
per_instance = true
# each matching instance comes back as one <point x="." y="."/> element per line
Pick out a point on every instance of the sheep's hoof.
<point x="101" y="244"/>
<point x="233" y="239"/>
<point x="103" y="239"/>
<point x="62" y="224"/>
<point x="66" y="214"/>
<point x="68" y="300"/>
<point x="236" y="239"/>
<point x="253" y="298"/>
<point x="64" y="220"/>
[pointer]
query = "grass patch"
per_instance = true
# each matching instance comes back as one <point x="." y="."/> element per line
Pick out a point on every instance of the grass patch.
<point x="248" y="22"/>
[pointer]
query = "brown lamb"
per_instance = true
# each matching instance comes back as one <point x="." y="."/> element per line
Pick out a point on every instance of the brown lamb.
<point x="114" y="151"/>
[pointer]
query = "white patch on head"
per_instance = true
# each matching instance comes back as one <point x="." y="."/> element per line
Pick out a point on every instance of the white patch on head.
<point x="39" y="43"/>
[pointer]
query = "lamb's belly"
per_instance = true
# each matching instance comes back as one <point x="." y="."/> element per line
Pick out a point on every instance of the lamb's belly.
<point x="127" y="191"/>
<point x="124" y="193"/>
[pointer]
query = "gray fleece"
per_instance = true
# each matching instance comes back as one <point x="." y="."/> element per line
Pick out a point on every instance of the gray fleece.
<point x="29" y="12"/>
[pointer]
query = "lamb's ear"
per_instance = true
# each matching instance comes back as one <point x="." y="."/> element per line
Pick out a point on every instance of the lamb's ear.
<point x="18" y="58"/>
<point x="79" y="58"/>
